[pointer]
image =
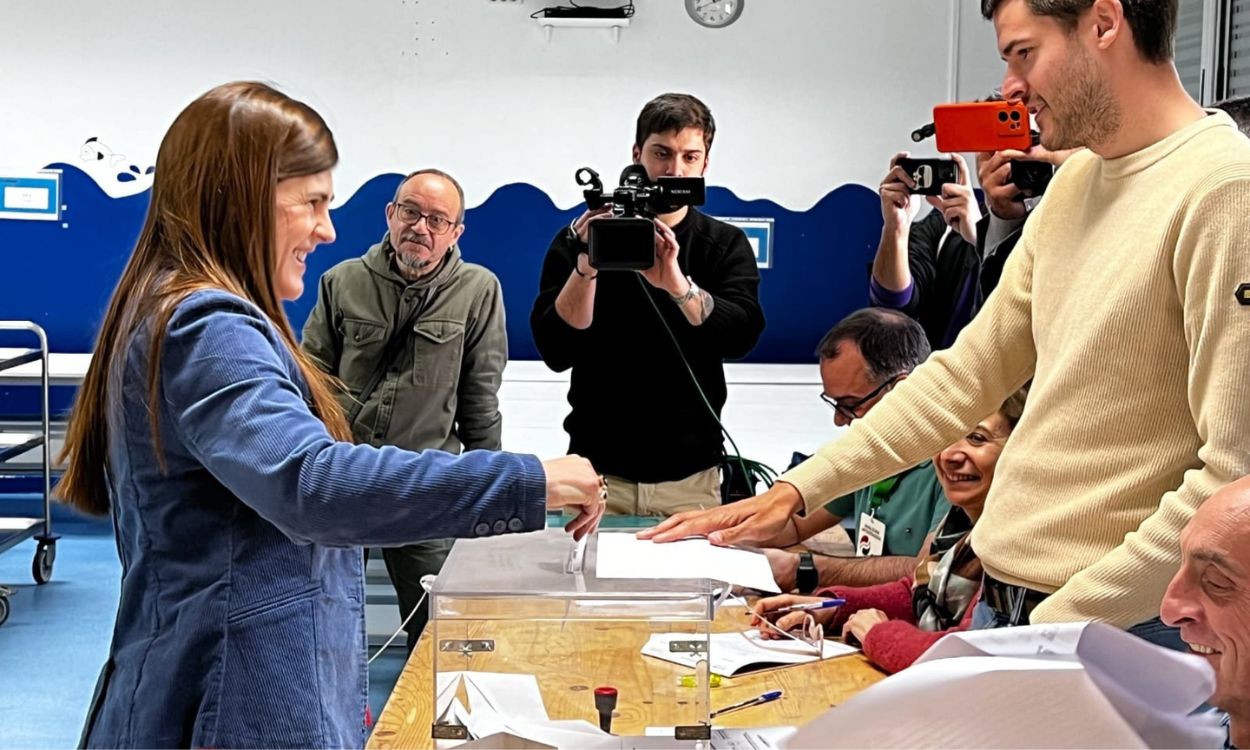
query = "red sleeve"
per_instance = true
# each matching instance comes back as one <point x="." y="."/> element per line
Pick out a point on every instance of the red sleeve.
<point x="894" y="599"/>
<point x="896" y="645"/>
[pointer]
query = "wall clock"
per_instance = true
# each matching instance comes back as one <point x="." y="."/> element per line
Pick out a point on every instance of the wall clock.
<point x="714" y="14"/>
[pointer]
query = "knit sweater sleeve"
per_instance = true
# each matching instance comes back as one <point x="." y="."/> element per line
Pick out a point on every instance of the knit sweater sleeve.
<point x="893" y="598"/>
<point x="737" y="320"/>
<point x="923" y="243"/>
<point x="897" y="644"/>
<point x="942" y="398"/>
<point x="559" y="344"/>
<point x="1212" y="260"/>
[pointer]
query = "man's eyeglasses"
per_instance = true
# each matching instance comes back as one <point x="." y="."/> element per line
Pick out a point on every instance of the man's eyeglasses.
<point x="849" y="407"/>
<point x="433" y="222"/>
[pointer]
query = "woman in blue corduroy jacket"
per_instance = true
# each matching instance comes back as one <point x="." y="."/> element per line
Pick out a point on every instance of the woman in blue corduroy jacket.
<point x="239" y="507"/>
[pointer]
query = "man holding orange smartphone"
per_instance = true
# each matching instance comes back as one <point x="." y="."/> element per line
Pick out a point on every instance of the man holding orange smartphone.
<point x="1126" y="301"/>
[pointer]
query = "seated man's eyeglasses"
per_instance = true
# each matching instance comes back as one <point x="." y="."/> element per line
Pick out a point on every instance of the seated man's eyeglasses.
<point x="433" y="222"/>
<point x="849" y="407"/>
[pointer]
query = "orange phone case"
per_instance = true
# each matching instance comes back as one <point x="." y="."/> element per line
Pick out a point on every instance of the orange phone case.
<point x="981" y="126"/>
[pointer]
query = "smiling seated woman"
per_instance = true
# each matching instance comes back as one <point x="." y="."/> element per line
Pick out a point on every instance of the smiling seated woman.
<point x="896" y="622"/>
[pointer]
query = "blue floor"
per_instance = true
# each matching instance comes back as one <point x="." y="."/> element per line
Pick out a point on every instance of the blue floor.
<point x="56" y="639"/>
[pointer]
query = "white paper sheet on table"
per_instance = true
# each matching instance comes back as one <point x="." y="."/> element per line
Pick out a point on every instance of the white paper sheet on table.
<point x="501" y="703"/>
<point x="757" y="738"/>
<point x="622" y="555"/>
<point x="723" y="738"/>
<point x="1070" y="685"/>
<point x="736" y="653"/>
<point x="501" y="741"/>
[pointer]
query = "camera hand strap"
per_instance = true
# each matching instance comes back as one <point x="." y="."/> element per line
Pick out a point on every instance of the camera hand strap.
<point x="748" y="467"/>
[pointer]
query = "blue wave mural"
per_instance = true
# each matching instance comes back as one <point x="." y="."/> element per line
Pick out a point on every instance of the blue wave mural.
<point x="62" y="277"/>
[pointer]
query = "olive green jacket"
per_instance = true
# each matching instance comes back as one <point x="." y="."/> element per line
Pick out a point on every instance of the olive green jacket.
<point x="442" y="390"/>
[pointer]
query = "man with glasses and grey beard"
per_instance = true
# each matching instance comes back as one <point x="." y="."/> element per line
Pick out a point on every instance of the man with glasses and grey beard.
<point x="417" y="336"/>
<point x="861" y="359"/>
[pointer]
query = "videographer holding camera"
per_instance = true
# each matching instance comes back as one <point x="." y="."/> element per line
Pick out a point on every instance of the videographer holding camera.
<point x="636" y="411"/>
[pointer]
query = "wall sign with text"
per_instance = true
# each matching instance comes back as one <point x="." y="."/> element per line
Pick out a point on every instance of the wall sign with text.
<point x="759" y="232"/>
<point x="31" y="196"/>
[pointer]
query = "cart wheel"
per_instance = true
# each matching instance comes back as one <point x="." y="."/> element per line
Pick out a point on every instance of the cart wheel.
<point x="41" y="568"/>
<point x="4" y="608"/>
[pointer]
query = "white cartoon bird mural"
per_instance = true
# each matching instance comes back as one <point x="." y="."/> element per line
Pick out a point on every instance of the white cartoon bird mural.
<point x="92" y="151"/>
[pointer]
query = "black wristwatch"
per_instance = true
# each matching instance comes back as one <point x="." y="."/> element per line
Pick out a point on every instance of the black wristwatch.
<point x="806" y="579"/>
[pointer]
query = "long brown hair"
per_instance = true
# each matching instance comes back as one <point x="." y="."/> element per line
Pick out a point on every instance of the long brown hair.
<point x="210" y="225"/>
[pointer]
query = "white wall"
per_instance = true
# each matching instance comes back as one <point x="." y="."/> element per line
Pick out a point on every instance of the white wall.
<point x="980" y="69"/>
<point x="771" y="411"/>
<point x="808" y="94"/>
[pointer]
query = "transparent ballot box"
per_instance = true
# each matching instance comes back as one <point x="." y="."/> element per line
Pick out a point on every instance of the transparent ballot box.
<point x="512" y="606"/>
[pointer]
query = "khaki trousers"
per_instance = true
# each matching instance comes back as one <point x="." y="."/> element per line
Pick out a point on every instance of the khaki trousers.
<point x="664" y="498"/>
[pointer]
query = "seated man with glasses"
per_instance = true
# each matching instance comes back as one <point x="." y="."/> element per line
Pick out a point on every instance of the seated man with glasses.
<point x="861" y="359"/>
<point x="417" y="336"/>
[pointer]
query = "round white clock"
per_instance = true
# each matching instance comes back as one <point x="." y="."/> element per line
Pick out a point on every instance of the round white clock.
<point x="714" y="14"/>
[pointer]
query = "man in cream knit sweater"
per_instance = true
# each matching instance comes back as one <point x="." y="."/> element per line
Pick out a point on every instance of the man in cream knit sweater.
<point x="1127" y="302"/>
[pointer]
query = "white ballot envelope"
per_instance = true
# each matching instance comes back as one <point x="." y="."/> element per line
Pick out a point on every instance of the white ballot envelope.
<point x="1072" y="685"/>
<point x="625" y="556"/>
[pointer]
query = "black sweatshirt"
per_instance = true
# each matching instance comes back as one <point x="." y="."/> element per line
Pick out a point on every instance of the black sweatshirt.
<point x="636" y="414"/>
<point x="950" y="281"/>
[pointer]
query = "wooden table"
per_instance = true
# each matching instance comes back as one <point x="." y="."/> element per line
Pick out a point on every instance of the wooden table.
<point x="571" y="658"/>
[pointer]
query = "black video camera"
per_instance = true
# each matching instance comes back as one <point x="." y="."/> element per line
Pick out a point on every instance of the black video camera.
<point x="625" y="241"/>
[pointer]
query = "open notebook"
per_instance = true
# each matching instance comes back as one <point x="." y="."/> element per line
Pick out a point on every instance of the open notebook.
<point x="738" y="653"/>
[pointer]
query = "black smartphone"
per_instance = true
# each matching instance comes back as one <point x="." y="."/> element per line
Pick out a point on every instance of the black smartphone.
<point x="1031" y="177"/>
<point x="930" y="174"/>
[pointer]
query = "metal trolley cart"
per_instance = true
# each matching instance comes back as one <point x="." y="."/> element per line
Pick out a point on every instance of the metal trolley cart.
<point x="13" y="531"/>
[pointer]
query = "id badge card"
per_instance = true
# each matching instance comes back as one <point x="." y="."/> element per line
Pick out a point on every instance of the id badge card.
<point x="871" y="542"/>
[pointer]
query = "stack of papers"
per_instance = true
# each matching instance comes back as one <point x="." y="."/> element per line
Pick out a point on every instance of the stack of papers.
<point x="510" y="705"/>
<point x="626" y="556"/>
<point x="738" y="653"/>
<point x="508" y="712"/>
<point x="1068" y="685"/>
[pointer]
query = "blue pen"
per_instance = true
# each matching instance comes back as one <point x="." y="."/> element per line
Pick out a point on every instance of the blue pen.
<point x="765" y="698"/>
<point x="810" y="606"/>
